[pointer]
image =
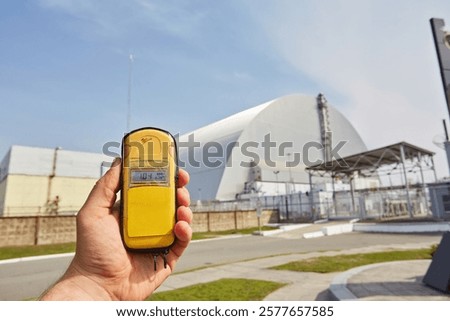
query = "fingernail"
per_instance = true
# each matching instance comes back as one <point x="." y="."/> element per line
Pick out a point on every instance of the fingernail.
<point x="115" y="162"/>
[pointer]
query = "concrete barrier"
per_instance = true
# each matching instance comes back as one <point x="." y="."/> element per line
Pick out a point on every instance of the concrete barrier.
<point x="428" y="227"/>
<point x="313" y="235"/>
<point x="338" y="229"/>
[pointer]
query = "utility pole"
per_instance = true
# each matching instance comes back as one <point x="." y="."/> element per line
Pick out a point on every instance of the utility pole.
<point x="130" y="71"/>
<point x="50" y="179"/>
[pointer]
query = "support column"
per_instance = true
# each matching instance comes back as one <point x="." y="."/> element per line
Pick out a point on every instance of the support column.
<point x="352" y="192"/>
<point x="434" y="169"/>
<point x="408" y="198"/>
<point x="334" y="195"/>
<point x="424" y="189"/>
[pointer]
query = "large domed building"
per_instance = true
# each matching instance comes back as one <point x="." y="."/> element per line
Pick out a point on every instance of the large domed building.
<point x="264" y="150"/>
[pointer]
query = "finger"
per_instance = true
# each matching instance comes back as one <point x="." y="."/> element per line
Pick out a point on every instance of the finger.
<point x="183" y="178"/>
<point x="183" y="233"/>
<point x="103" y="195"/>
<point x="184" y="214"/>
<point x="183" y="197"/>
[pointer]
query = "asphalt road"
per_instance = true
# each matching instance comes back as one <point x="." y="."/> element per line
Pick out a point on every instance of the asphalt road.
<point x="28" y="278"/>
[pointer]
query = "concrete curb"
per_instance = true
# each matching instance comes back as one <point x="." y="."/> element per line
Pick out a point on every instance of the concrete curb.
<point x="402" y="227"/>
<point x="330" y="230"/>
<point x="283" y="228"/>
<point x="424" y="227"/>
<point x="36" y="258"/>
<point x="338" y="229"/>
<point x="311" y="235"/>
<point x="338" y="286"/>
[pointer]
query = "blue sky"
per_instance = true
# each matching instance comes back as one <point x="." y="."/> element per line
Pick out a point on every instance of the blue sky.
<point x="64" y="66"/>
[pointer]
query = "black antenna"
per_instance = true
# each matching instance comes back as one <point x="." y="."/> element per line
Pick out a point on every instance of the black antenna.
<point x="445" y="130"/>
<point x="441" y="39"/>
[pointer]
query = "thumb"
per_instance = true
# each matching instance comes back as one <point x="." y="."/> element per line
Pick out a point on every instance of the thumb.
<point x="103" y="194"/>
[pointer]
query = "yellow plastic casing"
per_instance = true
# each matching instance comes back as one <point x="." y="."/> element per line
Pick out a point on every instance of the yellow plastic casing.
<point x="148" y="195"/>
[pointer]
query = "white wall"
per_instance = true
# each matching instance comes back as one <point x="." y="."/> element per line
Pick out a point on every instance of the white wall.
<point x="25" y="175"/>
<point x="39" y="162"/>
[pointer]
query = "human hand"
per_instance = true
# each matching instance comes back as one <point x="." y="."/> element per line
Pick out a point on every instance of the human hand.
<point x="102" y="269"/>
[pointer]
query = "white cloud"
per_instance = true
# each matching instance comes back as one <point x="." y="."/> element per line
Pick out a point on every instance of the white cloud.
<point x="234" y="76"/>
<point x="178" y="18"/>
<point x="112" y="18"/>
<point x="378" y="55"/>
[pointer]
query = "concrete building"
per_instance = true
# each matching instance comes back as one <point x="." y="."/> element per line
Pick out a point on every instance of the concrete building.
<point x="264" y="150"/>
<point x="43" y="181"/>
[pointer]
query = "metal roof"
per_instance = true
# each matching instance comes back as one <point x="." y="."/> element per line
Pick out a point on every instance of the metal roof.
<point x="371" y="160"/>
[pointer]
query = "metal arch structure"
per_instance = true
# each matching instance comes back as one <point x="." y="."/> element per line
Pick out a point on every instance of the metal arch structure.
<point x="278" y="133"/>
<point x="371" y="162"/>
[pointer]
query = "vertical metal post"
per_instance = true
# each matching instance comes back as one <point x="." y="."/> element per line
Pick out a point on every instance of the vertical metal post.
<point x="447" y="152"/>
<point x="291" y="179"/>
<point x="287" y="207"/>
<point x="408" y="199"/>
<point x="352" y="193"/>
<point x="276" y="177"/>
<point x="52" y="174"/>
<point x="37" y="227"/>
<point x="300" y="200"/>
<point x="424" y="190"/>
<point x="311" y="196"/>
<point x="446" y="145"/>
<point x="434" y="169"/>
<point x="442" y="45"/>
<point x="334" y="195"/>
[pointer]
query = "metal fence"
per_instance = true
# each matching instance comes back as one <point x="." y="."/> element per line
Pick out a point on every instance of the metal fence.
<point x="379" y="204"/>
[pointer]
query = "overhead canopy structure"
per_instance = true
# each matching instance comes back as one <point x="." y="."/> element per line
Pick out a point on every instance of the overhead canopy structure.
<point x="368" y="163"/>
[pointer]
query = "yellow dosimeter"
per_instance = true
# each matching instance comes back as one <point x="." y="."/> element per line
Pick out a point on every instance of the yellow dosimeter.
<point x="148" y="196"/>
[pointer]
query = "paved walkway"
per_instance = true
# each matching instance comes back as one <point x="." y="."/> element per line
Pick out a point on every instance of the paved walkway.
<point x="391" y="281"/>
<point x="387" y="281"/>
<point x="401" y="280"/>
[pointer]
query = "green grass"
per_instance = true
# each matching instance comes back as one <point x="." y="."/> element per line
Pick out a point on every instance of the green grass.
<point x="221" y="290"/>
<point x="338" y="263"/>
<point x="11" y="252"/>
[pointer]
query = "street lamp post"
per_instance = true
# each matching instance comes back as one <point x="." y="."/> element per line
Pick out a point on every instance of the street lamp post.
<point x="291" y="179"/>
<point x="276" y="177"/>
